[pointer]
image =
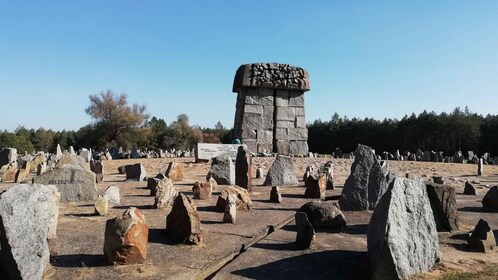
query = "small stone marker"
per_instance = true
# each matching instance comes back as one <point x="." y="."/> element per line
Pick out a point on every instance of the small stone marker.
<point x="165" y="193"/>
<point x="482" y="238"/>
<point x="135" y="172"/>
<point x="41" y="168"/>
<point x="490" y="200"/>
<point x="183" y="224"/>
<point x="230" y="215"/>
<point x="222" y="170"/>
<point x="444" y="206"/>
<point x="243" y="202"/>
<point x="480" y="167"/>
<point x="97" y="167"/>
<point x="275" y="195"/>
<point x="122" y="169"/>
<point x="202" y="190"/>
<point x="29" y="216"/>
<point x="281" y="172"/>
<point x="114" y="196"/>
<point x="402" y="236"/>
<point x="324" y="215"/>
<point x="102" y="205"/>
<point x="438" y="180"/>
<point x="126" y="238"/>
<point x="305" y="231"/>
<point x="22" y="175"/>
<point x="469" y="189"/>
<point x="9" y="173"/>
<point x="243" y="169"/>
<point x="175" y="171"/>
<point x="315" y="186"/>
<point x="259" y="173"/>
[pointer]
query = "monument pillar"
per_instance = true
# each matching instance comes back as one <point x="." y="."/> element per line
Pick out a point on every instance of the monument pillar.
<point x="269" y="112"/>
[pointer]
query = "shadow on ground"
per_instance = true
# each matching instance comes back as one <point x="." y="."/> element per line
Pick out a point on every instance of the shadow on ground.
<point x="79" y="260"/>
<point x="322" y="265"/>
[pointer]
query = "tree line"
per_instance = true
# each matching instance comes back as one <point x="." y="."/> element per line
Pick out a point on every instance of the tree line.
<point x="115" y="123"/>
<point x="460" y="130"/>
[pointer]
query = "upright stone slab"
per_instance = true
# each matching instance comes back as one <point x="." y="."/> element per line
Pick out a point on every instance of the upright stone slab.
<point x="324" y="215"/>
<point x="135" y="172"/>
<point x="316" y="186"/>
<point x="269" y="112"/>
<point x="469" y="189"/>
<point x="165" y="193"/>
<point x="97" y="167"/>
<point x="281" y="172"/>
<point x="482" y="238"/>
<point x="490" y="200"/>
<point x="243" y="202"/>
<point x="480" y="167"/>
<point x="175" y="171"/>
<point x="275" y="195"/>
<point x="183" y="224"/>
<point x="75" y="184"/>
<point x="243" y="169"/>
<point x="114" y="196"/>
<point x="202" y="190"/>
<point x="367" y="182"/>
<point x="126" y="238"/>
<point x="402" y="236"/>
<point x="8" y="155"/>
<point x="444" y="206"/>
<point x="305" y="231"/>
<point x="230" y="215"/>
<point x="222" y="170"/>
<point x="26" y="214"/>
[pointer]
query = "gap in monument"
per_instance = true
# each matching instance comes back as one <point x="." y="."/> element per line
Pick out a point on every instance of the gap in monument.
<point x="275" y="146"/>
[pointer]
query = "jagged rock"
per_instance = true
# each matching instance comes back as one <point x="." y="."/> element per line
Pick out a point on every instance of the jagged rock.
<point x="275" y="195"/>
<point x="310" y="170"/>
<point x="22" y="175"/>
<point x="315" y="186"/>
<point x="213" y="183"/>
<point x="402" y="236"/>
<point x="324" y="215"/>
<point x="165" y="193"/>
<point x="330" y="182"/>
<point x="126" y="238"/>
<point x="41" y="168"/>
<point x="281" y="172"/>
<point x="482" y="238"/>
<point x="367" y="182"/>
<point x="243" y="202"/>
<point x="28" y="217"/>
<point x="9" y="172"/>
<point x="135" y="172"/>
<point x="243" y="168"/>
<point x="305" y="231"/>
<point x="490" y="200"/>
<point x="97" y="167"/>
<point x="183" y="224"/>
<point x="230" y="215"/>
<point x="259" y="173"/>
<point x="73" y="160"/>
<point x="469" y="189"/>
<point x="438" y="180"/>
<point x="102" y="205"/>
<point x="175" y="171"/>
<point x="444" y="207"/>
<point x="75" y="184"/>
<point x="202" y="190"/>
<point x="7" y="155"/>
<point x="122" y="169"/>
<point x="113" y="194"/>
<point x="222" y="170"/>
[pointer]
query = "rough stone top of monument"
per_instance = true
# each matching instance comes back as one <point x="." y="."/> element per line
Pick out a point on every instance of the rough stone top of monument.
<point x="271" y="75"/>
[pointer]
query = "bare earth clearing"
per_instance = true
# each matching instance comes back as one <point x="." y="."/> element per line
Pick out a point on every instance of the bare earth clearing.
<point x="260" y="245"/>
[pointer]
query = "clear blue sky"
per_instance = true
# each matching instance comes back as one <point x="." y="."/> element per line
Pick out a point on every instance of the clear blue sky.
<point x="365" y="58"/>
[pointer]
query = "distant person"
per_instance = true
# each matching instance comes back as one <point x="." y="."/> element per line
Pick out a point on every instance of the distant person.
<point x="236" y="141"/>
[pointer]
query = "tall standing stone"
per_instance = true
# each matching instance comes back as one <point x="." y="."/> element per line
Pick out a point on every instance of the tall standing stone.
<point x="230" y="215"/>
<point x="480" y="167"/>
<point x="126" y="238"/>
<point x="243" y="169"/>
<point x="482" y="238"/>
<point x="402" y="236"/>
<point x="316" y="186"/>
<point x="97" y="167"/>
<point x="281" y="172"/>
<point x="305" y="231"/>
<point x="135" y="172"/>
<point x="275" y="195"/>
<point x="222" y="170"/>
<point x="175" y="171"/>
<point x="165" y="193"/>
<point x="444" y="206"/>
<point x="8" y="155"/>
<point x="367" y="182"/>
<point x="270" y="108"/>
<point x="183" y="224"/>
<point x="490" y="200"/>
<point x="27" y="214"/>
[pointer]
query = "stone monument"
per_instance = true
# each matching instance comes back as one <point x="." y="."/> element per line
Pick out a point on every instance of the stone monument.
<point x="269" y="113"/>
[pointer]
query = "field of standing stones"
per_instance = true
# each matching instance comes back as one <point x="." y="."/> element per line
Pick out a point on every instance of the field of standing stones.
<point x="83" y="215"/>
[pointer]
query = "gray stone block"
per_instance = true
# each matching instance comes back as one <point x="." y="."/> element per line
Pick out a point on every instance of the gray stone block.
<point x="282" y="147"/>
<point x="253" y="109"/>
<point x="267" y="121"/>
<point x="286" y="114"/>
<point x="252" y="121"/>
<point x="298" y="148"/>
<point x="299" y="111"/>
<point x="266" y="97"/>
<point x="265" y="136"/>
<point x="282" y="98"/>
<point x="297" y="133"/>
<point x="286" y="124"/>
<point x="251" y="144"/>
<point x="300" y="122"/>
<point x="296" y="99"/>
<point x="281" y="134"/>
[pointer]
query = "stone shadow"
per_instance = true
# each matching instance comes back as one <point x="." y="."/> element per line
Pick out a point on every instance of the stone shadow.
<point x="209" y="208"/>
<point x="336" y="264"/>
<point x="356" y="229"/>
<point x="277" y="246"/>
<point x="472" y="209"/>
<point x="141" y="207"/>
<point x="78" y="260"/>
<point x="292" y="195"/>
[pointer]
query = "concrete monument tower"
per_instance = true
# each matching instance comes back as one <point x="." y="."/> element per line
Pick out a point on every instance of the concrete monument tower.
<point x="269" y="113"/>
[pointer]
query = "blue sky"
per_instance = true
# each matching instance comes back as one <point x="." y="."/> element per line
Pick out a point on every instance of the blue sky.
<point x="365" y="58"/>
